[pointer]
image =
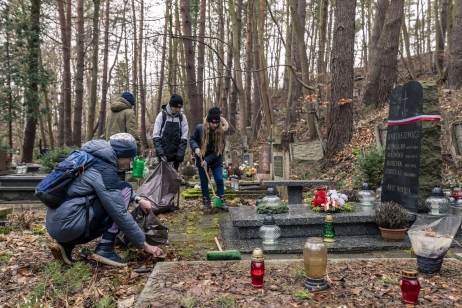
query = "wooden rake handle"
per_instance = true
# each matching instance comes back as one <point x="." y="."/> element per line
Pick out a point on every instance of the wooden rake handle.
<point x="218" y="244"/>
<point x="208" y="178"/>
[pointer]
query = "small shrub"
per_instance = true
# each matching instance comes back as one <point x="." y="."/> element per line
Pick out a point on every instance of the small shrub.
<point x="189" y="170"/>
<point x="106" y="302"/>
<point x="51" y="158"/>
<point x="57" y="281"/>
<point x="189" y="302"/>
<point x="369" y="167"/>
<point x="391" y="215"/>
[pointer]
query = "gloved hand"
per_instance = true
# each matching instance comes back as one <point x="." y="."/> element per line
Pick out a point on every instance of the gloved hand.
<point x="163" y="158"/>
<point x="180" y="159"/>
<point x="204" y="164"/>
<point x="198" y="152"/>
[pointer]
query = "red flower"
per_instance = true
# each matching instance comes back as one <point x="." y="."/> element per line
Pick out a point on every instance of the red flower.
<point x="320" y="198"/>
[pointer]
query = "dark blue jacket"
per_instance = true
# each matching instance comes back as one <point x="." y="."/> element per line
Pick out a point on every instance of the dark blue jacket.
<point x="213" y="159"/>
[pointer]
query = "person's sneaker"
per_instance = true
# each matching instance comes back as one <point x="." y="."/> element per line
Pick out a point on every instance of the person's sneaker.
<point x="104" y="253"/>
<point x="207" y="206"/>
<point x="62" y="252"/>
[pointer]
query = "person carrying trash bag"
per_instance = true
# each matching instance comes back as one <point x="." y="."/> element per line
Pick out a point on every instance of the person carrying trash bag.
<point x="99" y="190"/>
<point x="170" y="134"/>
<point x="208" y="144"/>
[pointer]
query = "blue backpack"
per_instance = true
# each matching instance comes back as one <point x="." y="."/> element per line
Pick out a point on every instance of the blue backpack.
<point x="52" y="190"/>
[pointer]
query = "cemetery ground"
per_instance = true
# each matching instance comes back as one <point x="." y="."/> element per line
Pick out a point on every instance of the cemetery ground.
<point x="30" y="278"/>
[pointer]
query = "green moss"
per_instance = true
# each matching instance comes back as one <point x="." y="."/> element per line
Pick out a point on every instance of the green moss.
<point x="263" y="209"/>
<point x="346" y="208"/>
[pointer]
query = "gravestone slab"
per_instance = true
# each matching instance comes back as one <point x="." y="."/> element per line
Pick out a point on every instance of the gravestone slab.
<point x="264" y="162"/>
<point x="248" y="157"/>
<point x="2" y="160"/>
<point x="413" y="154"/>
<point x="306" y="150"/>
<point x="278" y="165"/>
<point x="235" y="159"/>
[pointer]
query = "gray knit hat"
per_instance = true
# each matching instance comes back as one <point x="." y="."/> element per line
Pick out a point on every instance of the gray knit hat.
<point x="124" y="145"/>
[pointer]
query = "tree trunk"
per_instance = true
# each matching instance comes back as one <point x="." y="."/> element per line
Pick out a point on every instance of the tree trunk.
<point x="441" y="37"/>
<point x="379" y="19"/>
<point x="77" y="136"/>
<point x="105" y="85"/>
<point x="66" y="42"/>
<point x="162" y="63"/>
<point x="94" y="73"/>
<point x="257" y="97"/>
<point x="381" y="77"/>
<point x="322" y="45"/>
<point x="201" y="53"/>
<point x="195" y="106"/>
<point x="248" y="66"/>
<point x="409" y="61"/>
<point x="135" y="61"/>
<point x="340" y="127"/>
<point x="267" y="108"/>
<point x="228" y="112"/>
<point x="144" y="141"/>
<point x="299" y="34"/>
<point x="455" y="59"/>
<point x="33" y="69"/>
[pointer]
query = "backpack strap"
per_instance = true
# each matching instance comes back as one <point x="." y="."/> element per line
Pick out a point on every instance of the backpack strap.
<point x="87" y="217"/>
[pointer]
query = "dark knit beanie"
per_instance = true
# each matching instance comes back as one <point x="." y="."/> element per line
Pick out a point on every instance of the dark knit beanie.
<point x="129" y="97"/>
<point x="124" y="145"/>
<point x="214" y="115"/>
<point x="176" y="101"/>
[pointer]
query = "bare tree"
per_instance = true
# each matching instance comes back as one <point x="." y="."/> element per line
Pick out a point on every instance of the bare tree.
<point x="455" y="59"/>
<point x="162" y="61"/>
<point x="94" y="73"/>
<point x="144" y="141"/>
<point x="77" y="136"/>
<point x="195" y="106"/>
<point x="340" y="127"/>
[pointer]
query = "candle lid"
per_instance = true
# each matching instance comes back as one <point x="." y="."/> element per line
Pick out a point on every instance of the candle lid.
<point x="257" y="255"/>
<point x="409" y="273"/>
<point x="328" y="218"/>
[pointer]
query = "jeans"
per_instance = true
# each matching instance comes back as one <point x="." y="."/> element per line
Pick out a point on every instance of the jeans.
<point x="217" y="175"/>
<point x="102" y="223"/>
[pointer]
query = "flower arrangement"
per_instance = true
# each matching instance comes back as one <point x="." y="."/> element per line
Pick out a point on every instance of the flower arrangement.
<point x="330" y="201"/>
<point x="246" y="170"/>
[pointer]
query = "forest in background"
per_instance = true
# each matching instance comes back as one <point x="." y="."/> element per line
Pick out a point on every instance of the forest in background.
<point x="62" y="62"/>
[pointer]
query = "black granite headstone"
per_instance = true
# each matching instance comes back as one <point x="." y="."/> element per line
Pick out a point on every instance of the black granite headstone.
<point x="278" y="166"/>
<point x="403" y="146"/>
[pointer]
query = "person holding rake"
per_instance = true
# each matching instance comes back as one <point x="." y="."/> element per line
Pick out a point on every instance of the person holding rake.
<point x="208" y="144"/>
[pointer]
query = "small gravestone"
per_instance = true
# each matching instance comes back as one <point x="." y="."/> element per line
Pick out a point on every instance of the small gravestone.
<point x="264" y="162"/>
<point x="306" y="150"/>
<point x="248" y="157"/>
<point x="278" y="165"/>
<point x="2" y="160"/>
<point x="235" y="159"/>
<point x="413" y="153"/>
<point x="281" y="171"/>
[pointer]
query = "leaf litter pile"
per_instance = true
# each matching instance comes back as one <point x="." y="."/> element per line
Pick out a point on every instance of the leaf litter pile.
<point x="30" y="278"/>
<point x="355" y="283"/>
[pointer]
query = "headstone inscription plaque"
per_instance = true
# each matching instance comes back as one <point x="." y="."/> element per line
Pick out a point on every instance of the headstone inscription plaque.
<point x="401" y="176"/>
<point x="264" y="165"/>
<point x="278" y="165"/>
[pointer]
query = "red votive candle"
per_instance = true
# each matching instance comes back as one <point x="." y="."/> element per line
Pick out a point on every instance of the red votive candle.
<point x="257" y="268"/>
<point x="410" y="286"/>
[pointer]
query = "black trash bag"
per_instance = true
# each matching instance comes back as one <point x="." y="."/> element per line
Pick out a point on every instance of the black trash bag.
<point x="160" y="188"/>
<point x="156" y="233"/>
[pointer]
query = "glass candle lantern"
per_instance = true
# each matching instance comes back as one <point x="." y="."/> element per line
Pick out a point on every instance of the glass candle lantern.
<point x="366" y="196"/>
<point x="235" y="182"/>
<point x="271" y="198"/>
<point x="315" y="262"/>
<point x="269" y="232"/>
<point x="410" y="286"/>
<point x="329" y="232"/>
<point x="258" y="202"/>
<point x="457" y="193"/>
<point x="437" y="203"/>
<point x="378" y="192"/>
<point x="257" y="268"/>
<point x="225" y="174"/>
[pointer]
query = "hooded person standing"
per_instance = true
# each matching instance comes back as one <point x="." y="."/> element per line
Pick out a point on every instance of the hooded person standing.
<point x="109" y="199"/>
<point x="170" y="135"/>
<point x="122" y="119"/>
